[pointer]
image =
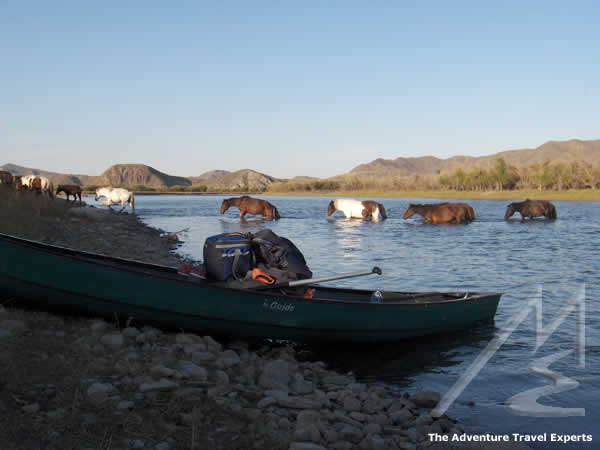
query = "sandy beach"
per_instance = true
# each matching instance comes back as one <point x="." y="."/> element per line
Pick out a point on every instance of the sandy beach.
<point x="71" y="382"/>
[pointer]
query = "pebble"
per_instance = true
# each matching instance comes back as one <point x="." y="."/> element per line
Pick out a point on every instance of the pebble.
<point x="113" y="341"/>
<point x="426" y="399"/>
<point x="306" y="446"/>
<point x="31" y="408"/>
<point x="98" y="393"/>
<point x="161" y="385"/>
<point x="98" y="326"/>
<point x="14" y="326"/>
<point x="125" y="405"/>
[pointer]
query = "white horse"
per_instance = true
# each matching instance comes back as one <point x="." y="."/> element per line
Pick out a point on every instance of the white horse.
<point x="26" y="181"/>
<point x="357" y="208"/>
<point x="46" y="185"/>
<point x="114" y="196"/>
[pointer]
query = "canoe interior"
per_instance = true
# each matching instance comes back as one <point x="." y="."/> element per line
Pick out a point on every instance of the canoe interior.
<point x="322" y="293"/>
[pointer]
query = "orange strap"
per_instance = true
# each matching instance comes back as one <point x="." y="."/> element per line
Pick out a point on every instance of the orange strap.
<point x="262" y="276"/>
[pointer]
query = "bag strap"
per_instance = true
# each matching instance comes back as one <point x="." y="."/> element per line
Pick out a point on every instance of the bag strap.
<point x="236" y="263"/>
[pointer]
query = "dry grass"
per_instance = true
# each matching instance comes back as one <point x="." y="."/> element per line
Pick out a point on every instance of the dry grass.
<point x="25" y="213"/>
<point x="587" y="195"/>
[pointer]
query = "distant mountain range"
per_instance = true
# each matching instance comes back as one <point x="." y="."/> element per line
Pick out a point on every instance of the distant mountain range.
<point x="553" y="151"/>
<point x="247" y="179"/>
<point x="142" y="175"/>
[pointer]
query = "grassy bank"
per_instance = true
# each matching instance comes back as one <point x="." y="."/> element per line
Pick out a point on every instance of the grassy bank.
<point x="584" y="195"/>
<point x="580" y="195"/>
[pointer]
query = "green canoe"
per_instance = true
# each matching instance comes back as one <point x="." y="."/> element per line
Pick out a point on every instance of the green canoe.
<point x="59" y="278"/>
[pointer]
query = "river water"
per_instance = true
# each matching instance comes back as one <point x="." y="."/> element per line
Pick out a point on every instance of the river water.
<point x="557" y="261"/>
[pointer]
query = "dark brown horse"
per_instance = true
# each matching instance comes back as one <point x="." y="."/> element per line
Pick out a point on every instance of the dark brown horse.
<point x="531" y="209"/>
<point x="70" y="189"/>
<point x="442" y="212"/>
<point x="17" y="183"/>
<point x="250" y="205"/>
<point x="6" y="177"/>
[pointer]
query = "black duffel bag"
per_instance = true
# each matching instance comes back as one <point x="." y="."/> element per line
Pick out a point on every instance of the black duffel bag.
<point x="279" y="257"/>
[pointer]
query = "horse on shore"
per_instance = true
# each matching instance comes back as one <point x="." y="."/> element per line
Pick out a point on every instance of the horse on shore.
<point x="531" y="209"/>
<point x="47" y="186"/>
<point x="6" y="177"/>
<point x="44" y="185"/>
<point x="70" y="189"/>
<point x="35" y="184"/>
<point x="251" y="205"/>
<point x="442" y="213"/>
<point x="16" y="182"/>
<point x="351" y="208"/>
<point x="114" y="196"/>
<point x="26" y="181"/>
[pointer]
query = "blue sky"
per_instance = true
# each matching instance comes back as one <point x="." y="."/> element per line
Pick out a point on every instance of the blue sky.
<point x="290" y="88"/>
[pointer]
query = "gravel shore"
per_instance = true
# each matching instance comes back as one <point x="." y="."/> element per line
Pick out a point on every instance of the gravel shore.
<point x="87" y="383"/>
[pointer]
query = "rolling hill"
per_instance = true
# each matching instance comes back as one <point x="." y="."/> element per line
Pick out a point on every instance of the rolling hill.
<point x="554" y="151"/>
<point x="139" y="174"/>
<point x="251" y="180"/>
<point x="245" y="179"/>
<point x="142" y="175"/>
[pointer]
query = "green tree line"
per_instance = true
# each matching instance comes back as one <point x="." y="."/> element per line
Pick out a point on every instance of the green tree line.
<point x="501" y="176"/>
<point x="546" y="176"/>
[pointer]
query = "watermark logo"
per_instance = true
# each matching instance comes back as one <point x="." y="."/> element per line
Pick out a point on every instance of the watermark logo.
<point x="526" y="403"/>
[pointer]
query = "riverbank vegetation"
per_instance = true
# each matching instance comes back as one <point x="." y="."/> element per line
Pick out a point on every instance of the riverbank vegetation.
<point x="550" y="181"/>
<point x="558" y="181"/>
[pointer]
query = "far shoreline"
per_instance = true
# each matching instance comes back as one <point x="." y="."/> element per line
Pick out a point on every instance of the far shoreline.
<point x="579" y="195"/>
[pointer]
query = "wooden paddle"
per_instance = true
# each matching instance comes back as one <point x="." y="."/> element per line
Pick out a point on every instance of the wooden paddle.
<point x="375" y="269"/>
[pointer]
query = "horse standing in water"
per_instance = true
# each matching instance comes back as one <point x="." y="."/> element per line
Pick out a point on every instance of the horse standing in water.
<point x="114" y="196"/>
<point x="359" y="209"/>
<point x="442" y="213"/>
<point x="250" y="205"/>
<point x="531" y="209"/>
<point x="70" y="189"/>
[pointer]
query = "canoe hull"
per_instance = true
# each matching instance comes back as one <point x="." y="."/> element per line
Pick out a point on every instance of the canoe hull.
<point x="56" y="278"/>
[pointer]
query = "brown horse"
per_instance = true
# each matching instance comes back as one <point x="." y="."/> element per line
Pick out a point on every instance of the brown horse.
<point x="442" y="213"/>
<point x="70" y="189"/>
<point x="252" y="206"/>
<point x="531" y="209"/>
<point x="470" y="211"/>
<point x="36" y="185"/>
<point x="17" y="183"/>
<point x="6" y="177"/>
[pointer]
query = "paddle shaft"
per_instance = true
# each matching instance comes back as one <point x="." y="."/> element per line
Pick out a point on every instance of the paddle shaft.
<point x="376" y="270"/>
